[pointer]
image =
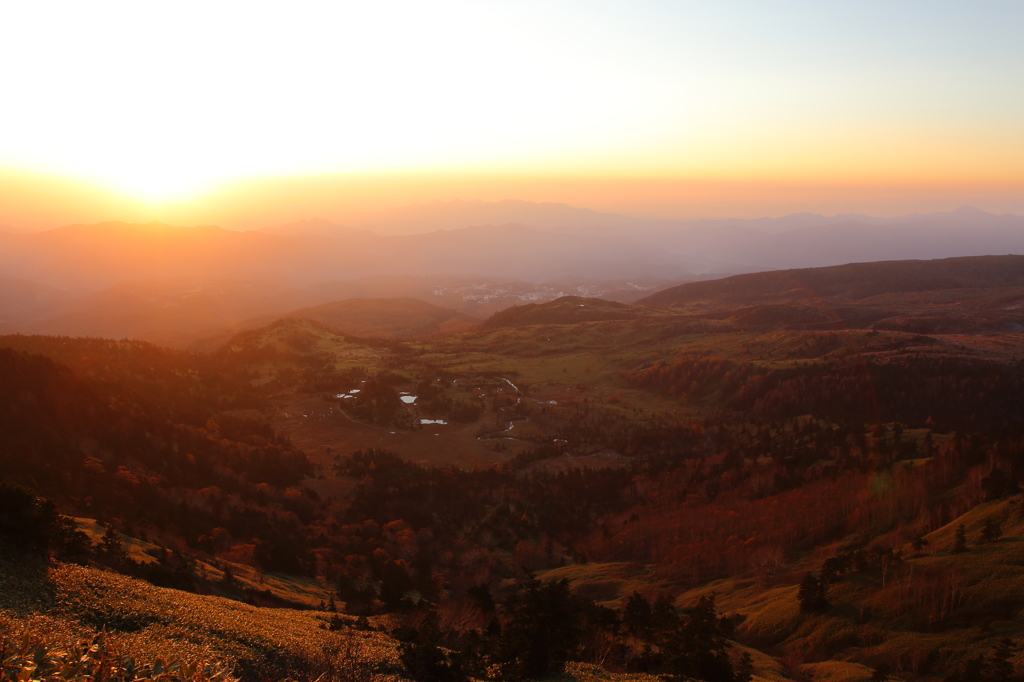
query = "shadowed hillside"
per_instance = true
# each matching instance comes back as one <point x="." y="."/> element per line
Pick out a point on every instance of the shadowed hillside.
<point x="854" y="281"/>
<point x="954" y="295"/>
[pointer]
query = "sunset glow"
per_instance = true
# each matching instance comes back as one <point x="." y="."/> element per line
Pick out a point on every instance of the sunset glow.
<point x="167" y="102"/>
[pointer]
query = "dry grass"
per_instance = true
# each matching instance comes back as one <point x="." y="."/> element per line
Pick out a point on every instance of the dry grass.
<point x="836" y="671"/>
<point x="69" y="603"/>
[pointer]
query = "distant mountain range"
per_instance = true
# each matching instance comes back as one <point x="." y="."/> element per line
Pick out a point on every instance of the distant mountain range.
<point x="700" y="246"/>
<point x="166" y="283"/>
<point x="545" y="242"/>
<point x="796" y="240"/>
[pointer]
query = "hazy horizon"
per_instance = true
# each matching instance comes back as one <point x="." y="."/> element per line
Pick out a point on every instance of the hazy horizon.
<point x="660" y="110"/>
<point x="420" y="216"/>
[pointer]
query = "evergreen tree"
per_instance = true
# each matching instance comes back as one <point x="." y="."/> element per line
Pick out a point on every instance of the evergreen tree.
<point x="663" y="614"/>
<point x="975" y="670"/>
<point x="33" y="523"/>
<point x="544" y="628"/>
<point x="992" y="529"/>
<point x="997" y="484"/>
<point x="111" y="547"/>
<point x="1002" y="669"/>
<point x="481" y="594"/>
<point x="881" y="673"/>
<point x="960" y="541"/>
<point x="697" y="648"/>
<point x="813" y="595"/>
<point x="636" y="615"/>
<point x="745" y="671"/>
<point x="227" y="577"/>
<point x="422" y="655"/>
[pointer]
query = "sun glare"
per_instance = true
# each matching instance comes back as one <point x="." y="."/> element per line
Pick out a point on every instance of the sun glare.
<point x="155" y="185"/>
<point x="163" y="101"/>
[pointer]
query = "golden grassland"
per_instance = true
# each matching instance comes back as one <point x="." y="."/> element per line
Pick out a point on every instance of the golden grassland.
<point x="299" y="590"/>
<point x="68" y="604"/>
<point x="769" y="615"/>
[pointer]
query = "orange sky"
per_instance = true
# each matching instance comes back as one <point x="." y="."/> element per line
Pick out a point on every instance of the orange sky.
<point x="32" y="201"/>
<point x="250" y="114"/>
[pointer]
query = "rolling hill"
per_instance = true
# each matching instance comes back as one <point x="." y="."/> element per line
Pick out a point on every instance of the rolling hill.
<point x="564" y="310"/>
<point x="385" y="317"/>
<point x="970" y="294"/>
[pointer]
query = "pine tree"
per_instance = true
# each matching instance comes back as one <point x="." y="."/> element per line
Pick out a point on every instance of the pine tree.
<point x="975" y="670"/>
<point x="544" y="628"/>
<point x="745" y="670"/>
<point x="881" y="673"/>
<point x="1002" y="669"/>
<point x="698" y="648"/>
<point x="813" y="595"/>
<point x="111" y="546"/>
<point x="636" y="616"/>
<point x="960" y="543"/>
<point x="992" y="530"/>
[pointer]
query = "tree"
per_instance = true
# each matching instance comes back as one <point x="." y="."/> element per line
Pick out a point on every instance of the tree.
<point x="636" y="615"/>
<point x="975" y="670"/>
<point x="992" y="529"/>
<point x="745" y="671"/>
<point x="1002" y="669"/>
<point x="960" y="541"/>
<point x="422" y="655"/>
<point x="997" y="484"/>
<point x="111" y="547"/>
<point x="481" y="594"/>
<point x="698" y="648"/>
<point x="813" y="595"/>
<point x="881" y="673"/>
<point x="663" y="614"/>
<point x="544" y="628"/>
<point x="33" y="523"/>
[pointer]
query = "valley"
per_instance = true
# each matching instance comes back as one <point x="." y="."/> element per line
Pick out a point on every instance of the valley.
<point x="839" y="492"/>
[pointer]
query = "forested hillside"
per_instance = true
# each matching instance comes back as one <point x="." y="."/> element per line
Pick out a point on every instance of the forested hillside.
<point x="641" y="491"/>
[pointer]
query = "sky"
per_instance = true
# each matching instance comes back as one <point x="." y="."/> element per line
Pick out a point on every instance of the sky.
<point x="234" y="112"/>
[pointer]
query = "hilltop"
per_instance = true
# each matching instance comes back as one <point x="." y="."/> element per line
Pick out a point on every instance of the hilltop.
<point x="951" y="295"/>
<point x="564" y="310"/>
<point x="386" y="317"/>
<point x="852" y="282"/>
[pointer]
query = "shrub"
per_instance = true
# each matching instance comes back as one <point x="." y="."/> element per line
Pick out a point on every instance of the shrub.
<point x="33" y="523"/>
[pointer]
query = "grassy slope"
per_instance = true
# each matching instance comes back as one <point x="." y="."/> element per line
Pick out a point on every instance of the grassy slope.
<point x="992" y="583"/>
<point x="67" y="604"/>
